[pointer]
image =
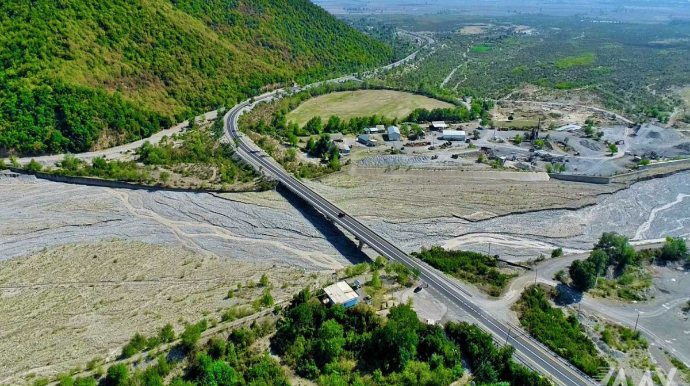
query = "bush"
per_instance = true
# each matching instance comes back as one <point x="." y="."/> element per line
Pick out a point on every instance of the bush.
<point x="34" y="166"/>
<point x="471" y="266"/>
<point x="167" y="334"/>
<point x="192" y="334"/>
<point x="558" y="252"/>
<point x="561" y="334"/>
<point x="118" y="375"/>
<point x="674" y="249"/>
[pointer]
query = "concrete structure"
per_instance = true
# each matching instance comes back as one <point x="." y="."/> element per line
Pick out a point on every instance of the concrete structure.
<point x="372" y="130"/>
<point x="454" y="135"/>
<point x="366" y="140"/>
<point x="341" y="293"/>
<point x="438" y="125"/>
<point x="393" y="134"/>
<point x="336" y="137"/>
<point x="569" y="128"/>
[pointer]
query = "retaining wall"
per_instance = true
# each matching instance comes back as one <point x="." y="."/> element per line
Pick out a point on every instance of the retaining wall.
<point x="90" y="181"/>
<point x="581" y="178"/>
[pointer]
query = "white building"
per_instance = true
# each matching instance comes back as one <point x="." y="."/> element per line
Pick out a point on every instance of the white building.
<point x="341" y="293"/>
<point x="438" y="125"/>
<point x="393" y="134"/>
<point x="372" y="130"/>
<point x="454" y="135"/>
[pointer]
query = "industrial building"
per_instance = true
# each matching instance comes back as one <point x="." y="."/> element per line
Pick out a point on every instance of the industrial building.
<point x="438" y="125"/>
<point x="366" y="140"/>
<point x="341" y="293"/>
<point x="454" y="135"/>
<point x="393" y="133"/>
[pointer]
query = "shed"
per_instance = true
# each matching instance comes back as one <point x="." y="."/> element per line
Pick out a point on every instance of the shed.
<point x="454" y="135"/>
<point x="393" y="133"/>
<point x="438" y="125"/>
<point x="372" y="130"/>
<point x="341" y="293"/>
<point x="336" y="137"/>
<point x="366" y="140"/>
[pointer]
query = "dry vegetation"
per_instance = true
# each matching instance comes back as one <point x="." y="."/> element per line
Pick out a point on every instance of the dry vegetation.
<point x="70" y="304"/>
<point x="362" y="103"/>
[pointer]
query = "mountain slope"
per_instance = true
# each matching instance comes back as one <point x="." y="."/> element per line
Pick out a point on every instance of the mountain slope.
<point x="77" y="75"/>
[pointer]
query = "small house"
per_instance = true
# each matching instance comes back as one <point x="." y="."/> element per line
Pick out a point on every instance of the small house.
<point x="336" y="137"/>
<point x="341" y="293"/>
<point x="372" y="130"/>
<point x="393" y="134"/>
<point x="344" y="149"/>
<point x="454" y="135"/>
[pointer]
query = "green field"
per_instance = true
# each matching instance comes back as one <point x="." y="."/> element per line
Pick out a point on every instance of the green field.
<point x="362" y="103"/>
<point x="575" y="61"/>
<point x="482" y="48"/>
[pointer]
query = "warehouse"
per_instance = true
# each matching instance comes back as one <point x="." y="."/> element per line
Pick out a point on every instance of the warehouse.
<point x="393" y="133"/>
<point x="454" y="135"/>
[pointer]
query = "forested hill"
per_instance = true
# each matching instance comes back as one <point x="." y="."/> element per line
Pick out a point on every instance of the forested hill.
<point x="79" y="74"/>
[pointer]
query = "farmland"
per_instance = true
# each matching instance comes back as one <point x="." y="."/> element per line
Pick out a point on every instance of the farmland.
<point x="361" y="103"/>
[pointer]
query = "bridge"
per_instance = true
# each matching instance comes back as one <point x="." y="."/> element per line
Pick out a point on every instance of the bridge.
<point x="527" y="350"/>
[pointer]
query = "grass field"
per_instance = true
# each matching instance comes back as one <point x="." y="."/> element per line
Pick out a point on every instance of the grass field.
<point x="361" y="103"/>
<point x="575" y="61"/>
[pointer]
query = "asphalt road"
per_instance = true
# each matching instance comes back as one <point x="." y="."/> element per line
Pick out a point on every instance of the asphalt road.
<point x="528" y="351"/>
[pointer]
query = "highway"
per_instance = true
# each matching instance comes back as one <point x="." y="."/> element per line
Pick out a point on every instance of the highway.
<point x="528" y="351"/>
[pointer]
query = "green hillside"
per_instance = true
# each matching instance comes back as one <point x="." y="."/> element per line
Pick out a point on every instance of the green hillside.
<point x="77" y="75"/>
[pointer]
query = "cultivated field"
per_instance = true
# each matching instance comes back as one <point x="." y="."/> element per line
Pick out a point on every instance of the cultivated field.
<point x="345" y="105"/>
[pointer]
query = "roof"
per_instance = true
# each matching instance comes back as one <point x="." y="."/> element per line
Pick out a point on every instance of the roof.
<point x="438" y="124"/>
<point x="340" y="293"/>
<point x="363" y="137"/>
<point x="454" y="133"/>
<point x="337" y="137"/>
<point x="393" y="129"/>
<point x="373" y="129"/>
<point x="381" y="127"/>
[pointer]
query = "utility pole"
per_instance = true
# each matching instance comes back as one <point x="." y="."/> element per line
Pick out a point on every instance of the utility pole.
<point x="536" y="271"/>
<point x="508" y="337"/>
<point x="489" y="249"/>
<point x="638" y="319"/>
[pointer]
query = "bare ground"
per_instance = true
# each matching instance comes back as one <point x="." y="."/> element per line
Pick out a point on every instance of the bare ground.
<point x="66" y="305"/>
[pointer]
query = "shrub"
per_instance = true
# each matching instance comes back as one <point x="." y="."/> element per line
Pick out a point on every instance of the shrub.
<point x="167" y="334"/>
<point x="34" y="166"/>
<point x="118" y="375"/>
<point x="558" y="252"/>
<point x="674" y="249"/>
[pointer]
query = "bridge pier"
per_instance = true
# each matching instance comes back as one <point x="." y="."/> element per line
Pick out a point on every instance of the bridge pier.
<point x="361" y="244"/>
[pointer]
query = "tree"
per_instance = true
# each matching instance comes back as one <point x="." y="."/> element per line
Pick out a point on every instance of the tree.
<point x="583" y="275"/>
<point x="558" y="252"/>
<point x="396" y="343"/>
<point x="613" y="148"/>
<point x="375" y="280"/>
<point x="674" y="249"/>
<point x="618" y="249"/>
<point x="331" y="340"/>
<point x="314" y="126"/>
<point x="118" y="375"/>
<point x="517" y="139"/>
<point x="600" y="260"/>
<point x="190" y="336"/>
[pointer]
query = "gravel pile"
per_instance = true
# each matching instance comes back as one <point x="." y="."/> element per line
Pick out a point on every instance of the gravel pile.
<point x="384" y="161"/>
